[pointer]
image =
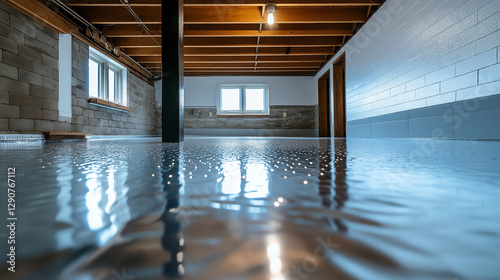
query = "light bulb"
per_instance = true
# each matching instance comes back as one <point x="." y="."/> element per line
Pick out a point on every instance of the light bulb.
<point x="270" y="9"/>
<point x="270" y="18"/>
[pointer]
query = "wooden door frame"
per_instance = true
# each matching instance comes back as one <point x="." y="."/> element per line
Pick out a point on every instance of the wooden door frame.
<point x="339" y="98"/>
<point x="324" y="108"/>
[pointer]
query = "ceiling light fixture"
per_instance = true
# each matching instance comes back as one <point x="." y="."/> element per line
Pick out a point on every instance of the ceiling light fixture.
<point x="271" y="9"/>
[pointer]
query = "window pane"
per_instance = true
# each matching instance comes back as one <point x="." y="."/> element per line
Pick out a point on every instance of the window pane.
<point x="93" y="78"/>
<point x="230" y="99"/>
<point x="254" y="99"/>
<point x="111" y="80"/>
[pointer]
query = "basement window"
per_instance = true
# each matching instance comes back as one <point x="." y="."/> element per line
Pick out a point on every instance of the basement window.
<point x="107" y="79"/>
<point x="244" y="100"/>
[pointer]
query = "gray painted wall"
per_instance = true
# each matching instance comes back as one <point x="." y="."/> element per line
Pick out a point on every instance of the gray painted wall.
<point x="29" y="85"/>
<point x="417" y="54"/>
<point x="202" y="91"/>
<point x="469" y="119"/>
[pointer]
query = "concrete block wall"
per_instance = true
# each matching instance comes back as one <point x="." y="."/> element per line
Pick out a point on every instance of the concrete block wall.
<point x="29" y="85"/>
<point x="94" y="119"/>
<point x="28" y="73"/>
<point x="415" y="54"/>
<point x="298" y="117"/>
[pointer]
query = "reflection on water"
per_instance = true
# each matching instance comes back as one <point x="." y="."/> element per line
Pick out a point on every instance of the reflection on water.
<point x="252" y="208"/>
<point x="172" y="240"/>
<point x="274" y="255"/>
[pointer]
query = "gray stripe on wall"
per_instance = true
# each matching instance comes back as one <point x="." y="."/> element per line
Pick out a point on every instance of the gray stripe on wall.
<point x="477" y="118"/>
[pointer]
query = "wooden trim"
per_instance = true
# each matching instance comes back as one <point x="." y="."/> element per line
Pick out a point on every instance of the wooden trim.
<point x="106" y="103"/>
<point x="62" y="135"/>
<point x="339" y="107"/>
<point x="324" y="105"/>
<point x="242" y="116"/>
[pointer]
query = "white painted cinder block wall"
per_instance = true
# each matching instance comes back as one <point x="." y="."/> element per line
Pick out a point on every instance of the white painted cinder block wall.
<point x="418" y="53"/>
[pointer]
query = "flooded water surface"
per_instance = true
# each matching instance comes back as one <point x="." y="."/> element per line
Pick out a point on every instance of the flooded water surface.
<point x="253" y="208"/>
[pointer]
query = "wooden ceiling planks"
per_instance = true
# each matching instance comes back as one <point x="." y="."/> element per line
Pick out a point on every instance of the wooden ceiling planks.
<point x="231" y="37"/>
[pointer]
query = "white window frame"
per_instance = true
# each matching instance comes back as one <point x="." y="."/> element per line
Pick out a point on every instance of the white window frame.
<point x="106" y="64"/>
<point x="242" y="89"/>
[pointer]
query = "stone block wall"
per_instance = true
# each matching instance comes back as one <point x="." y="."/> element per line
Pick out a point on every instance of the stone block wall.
<point x="100" y="120"/>
<point x="29" y="85"/>
<point x="298" y="117"/>
<point x="28" y="73"/>
<point x="302" y="119"/>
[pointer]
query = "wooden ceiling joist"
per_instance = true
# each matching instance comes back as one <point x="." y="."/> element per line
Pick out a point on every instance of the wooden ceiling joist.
<point x="231" y="37"/>
<point x="227" y="15"/>
<point x="234" y="30"/>
<point x="252" y="30"/>
<point x="313" y="65"/>
<point x="143" y="51"/>
<point x="203" y="3"/>
<point x="262" y="51"/>
<point x="237" y="59"/>
<point x="236" y="42"/>
<point x="234" y="71"/>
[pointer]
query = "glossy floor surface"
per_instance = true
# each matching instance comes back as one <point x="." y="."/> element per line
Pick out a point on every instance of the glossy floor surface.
<point x="254" y="208"/>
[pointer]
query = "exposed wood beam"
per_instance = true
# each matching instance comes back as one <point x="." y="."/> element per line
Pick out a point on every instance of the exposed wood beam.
<point x="244" y="30"/>
<point x="250" y="64"/>
<point x="299" y="41"/>
<point x="250" y="73"/>
<point x="204" y="3"/>
<point x="136" y="42"/>
<point x="251" y="51"/>
<point x="292" y="3"/>
<point x="207" y="15"/>
<point x="269" y="74"/>
<point x="265" y="33"/>
<point x="143" y="51"/>
<point x="138" y="52"/>
<point x="226" y="15"/>
<point x="236" y="42"/>
<point x="234" y="30"/>
<point x="133" y="30"/>
<point x="237" y="59"/>
<point x="247" y="71"/>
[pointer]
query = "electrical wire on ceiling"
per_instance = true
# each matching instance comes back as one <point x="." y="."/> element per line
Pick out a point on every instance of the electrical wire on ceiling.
<point x="142" y="25"/>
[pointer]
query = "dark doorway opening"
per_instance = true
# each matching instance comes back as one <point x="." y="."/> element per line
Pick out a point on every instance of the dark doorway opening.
<point x="339" y="111"/>
<point x="324" y="105"/>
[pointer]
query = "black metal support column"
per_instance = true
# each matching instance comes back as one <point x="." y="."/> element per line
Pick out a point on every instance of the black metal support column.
<point x="172" y="71"/>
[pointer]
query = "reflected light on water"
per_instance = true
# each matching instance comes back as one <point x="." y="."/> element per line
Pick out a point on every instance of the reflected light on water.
<point x="103" y="203"/>
<point x="257" y="182"/>
<point x="92" y="200"/>
<point x="231" y="177"/>
<point x="274" y="256"/>
<point x="64" y="176"/>
<point x="253" y="178"/>
<point x="111" y="192"/>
